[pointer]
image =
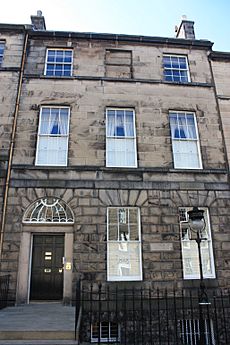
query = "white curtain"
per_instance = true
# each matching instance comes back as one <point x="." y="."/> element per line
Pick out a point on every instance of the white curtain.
<point x="129" y="124"/>
<point x="120" y="124"/>
<point x="111" y="124"/>
<point x="63" y="121"/>
<point x="44" y="122"/>
<point x="54" y="122"/>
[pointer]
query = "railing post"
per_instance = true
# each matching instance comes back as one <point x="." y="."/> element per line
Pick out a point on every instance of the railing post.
<point x="77" y="306"/>
<point x="4" y="290"/>
<point x="99" y="313"/>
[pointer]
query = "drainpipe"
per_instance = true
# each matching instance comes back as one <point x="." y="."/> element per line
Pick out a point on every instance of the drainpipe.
<point x="11" y="149"/>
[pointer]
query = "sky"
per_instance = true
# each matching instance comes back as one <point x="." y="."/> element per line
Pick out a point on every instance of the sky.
<point x="137" y="17"/>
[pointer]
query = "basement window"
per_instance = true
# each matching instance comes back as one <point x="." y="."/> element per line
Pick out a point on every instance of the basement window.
<point x="118" y="63"/>
<point x="105" y="332"/>
<point x="190" y="331"/>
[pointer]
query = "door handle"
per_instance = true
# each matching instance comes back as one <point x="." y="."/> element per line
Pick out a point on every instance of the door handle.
<point x="47" y="270"/>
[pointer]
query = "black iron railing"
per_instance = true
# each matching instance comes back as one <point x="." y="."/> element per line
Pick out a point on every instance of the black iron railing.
<point x="4" y="290"/>
<point x="78" y="309"/>
<point x="139" y="316"/>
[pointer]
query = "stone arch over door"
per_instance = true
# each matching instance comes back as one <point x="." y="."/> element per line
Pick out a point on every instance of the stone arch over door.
<point x="47" y="215"/>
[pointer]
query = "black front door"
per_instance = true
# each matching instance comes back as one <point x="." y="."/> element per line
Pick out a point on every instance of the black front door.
<point x="47" y="272"/>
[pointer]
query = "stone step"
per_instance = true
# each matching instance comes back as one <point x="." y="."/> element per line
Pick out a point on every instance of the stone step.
<point x="37" y="323"/>
<point x="40" y="342"/>
<point x="36" y="335"/>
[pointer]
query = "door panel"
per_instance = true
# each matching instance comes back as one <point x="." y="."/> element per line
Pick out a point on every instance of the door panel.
<point x="47" y="272"/>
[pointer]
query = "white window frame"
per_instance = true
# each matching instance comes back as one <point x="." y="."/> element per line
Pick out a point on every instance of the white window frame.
<point x="50" y="135"/>
<point x="186" y="244"/>
<point x="2" y="55"/>
<point x="177" y="69"/>
<point x="123" y="243"/>
<point x="181" y="140"/>
<point x="94" y="339"/>
<point x="133" y="138"/>
<point x="56" y="63"/>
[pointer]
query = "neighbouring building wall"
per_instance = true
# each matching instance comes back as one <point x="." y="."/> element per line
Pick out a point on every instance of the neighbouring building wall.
<point x="11" y="45"/>
<point x="221" y="70"/>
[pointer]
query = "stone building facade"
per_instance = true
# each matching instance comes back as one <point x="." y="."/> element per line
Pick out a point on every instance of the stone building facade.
<point x="85" y="87"/>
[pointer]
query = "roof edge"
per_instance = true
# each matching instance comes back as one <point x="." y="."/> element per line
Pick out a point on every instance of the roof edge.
<point x="15" y="27"/>
<point x="124" y="38"/>
<point x="216" y="55"/>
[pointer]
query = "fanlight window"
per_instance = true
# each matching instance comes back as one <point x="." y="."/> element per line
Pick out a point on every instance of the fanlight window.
<point x="49" y="210"/>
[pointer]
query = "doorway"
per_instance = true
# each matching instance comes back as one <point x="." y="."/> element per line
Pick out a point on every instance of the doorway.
<point x="47" y="267"/>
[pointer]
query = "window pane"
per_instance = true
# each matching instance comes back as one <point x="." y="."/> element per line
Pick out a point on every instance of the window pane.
<point x="63" y="124"/>
<point x="124" y="232"/>
<point x="124" y="261"/>
<point x="44" y="121"/>
<point x="133" y="215"/>
<point x="50" y="70"/>
<point x="113" y="232"/>
<point x="110" y="124"/>
<point x="167" y="62"/>
<point x="129" y="124"/>
<point x="51" y="56"/>
<point x="185" y="154"/>
<point x="113" y="216"/>
<point x="120" y="128"/>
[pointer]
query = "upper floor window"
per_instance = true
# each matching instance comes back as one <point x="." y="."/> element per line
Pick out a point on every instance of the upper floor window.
<point x="59" y="62"/>
<point x="118" y="63"/>
<point x="53" y="133"/>
<point x="185" y="141"/>
<point x="190" y="255"/>
<point x="2" y="47"/>
<point x="124" y="244"/>
<point x="120" y="138"/>
<point x="176" y="68"/>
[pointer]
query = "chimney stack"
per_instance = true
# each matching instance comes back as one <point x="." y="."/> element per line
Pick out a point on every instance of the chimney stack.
<point x="185" y="29"/>
<point x="38" y="21"/>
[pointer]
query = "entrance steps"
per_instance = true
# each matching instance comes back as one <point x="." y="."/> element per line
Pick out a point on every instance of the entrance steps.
<point x="37" y="324"/>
